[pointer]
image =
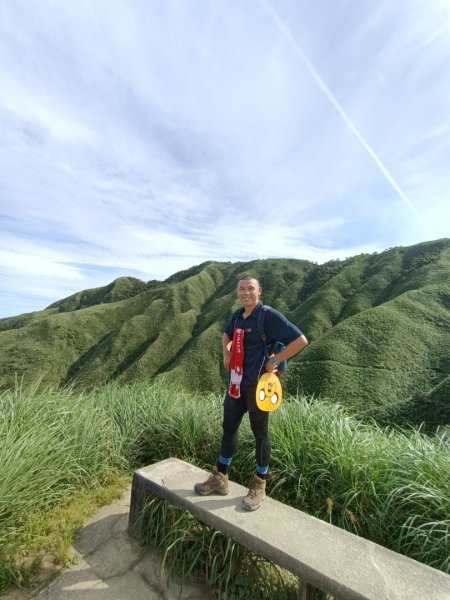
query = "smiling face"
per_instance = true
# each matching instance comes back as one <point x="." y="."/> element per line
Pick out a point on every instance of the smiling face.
<point x="248" y="292"/>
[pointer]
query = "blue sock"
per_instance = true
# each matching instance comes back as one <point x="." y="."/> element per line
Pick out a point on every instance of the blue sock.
<point x="223" y="464"/>
<point x="262" y="471"/>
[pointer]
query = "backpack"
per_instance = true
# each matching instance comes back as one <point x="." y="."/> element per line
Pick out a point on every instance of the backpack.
<point x="278" y="346"/>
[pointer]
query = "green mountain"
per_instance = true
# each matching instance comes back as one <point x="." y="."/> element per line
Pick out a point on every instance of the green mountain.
<point x="378" y="327"/>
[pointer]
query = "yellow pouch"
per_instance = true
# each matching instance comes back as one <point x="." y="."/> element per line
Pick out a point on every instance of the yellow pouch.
<point x="269" y="394"/>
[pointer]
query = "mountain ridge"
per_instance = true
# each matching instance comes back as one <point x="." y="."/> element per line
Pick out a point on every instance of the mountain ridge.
<point x="378" y="327"/>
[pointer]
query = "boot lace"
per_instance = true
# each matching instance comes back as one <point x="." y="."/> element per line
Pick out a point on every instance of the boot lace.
<point x="254" y="488"/>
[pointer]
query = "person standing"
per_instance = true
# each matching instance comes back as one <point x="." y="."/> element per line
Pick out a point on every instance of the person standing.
<point x="245" y="355"/>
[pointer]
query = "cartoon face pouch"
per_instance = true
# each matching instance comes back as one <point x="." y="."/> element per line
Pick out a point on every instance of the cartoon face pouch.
<point x="269" y="394"/>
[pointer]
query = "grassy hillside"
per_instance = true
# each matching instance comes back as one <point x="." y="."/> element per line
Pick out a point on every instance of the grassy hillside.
<point x="61" y="444"/>
<point x="378" y="325"/>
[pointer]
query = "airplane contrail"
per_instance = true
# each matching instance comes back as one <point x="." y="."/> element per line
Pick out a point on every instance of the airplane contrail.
<point x="315" y="75"/>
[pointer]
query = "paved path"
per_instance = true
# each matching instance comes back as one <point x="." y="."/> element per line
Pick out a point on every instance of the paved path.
<point x="109" y="565"/>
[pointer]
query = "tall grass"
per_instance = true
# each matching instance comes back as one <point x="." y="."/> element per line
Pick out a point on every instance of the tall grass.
<point x="53" y="443"/>
<point x="191" y="548"/>
<point x="388" y="485"/>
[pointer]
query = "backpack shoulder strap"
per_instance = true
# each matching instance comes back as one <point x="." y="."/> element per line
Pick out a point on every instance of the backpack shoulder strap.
<point x="278" y="347"/>
<point x="260" y="325"/>
<point x="260" y="322"/>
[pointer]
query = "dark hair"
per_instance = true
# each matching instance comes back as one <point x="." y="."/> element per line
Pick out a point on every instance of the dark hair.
<point x="246" y="276"/>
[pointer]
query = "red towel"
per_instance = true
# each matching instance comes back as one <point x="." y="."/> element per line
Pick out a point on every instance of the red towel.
<point x="236" y="363"/>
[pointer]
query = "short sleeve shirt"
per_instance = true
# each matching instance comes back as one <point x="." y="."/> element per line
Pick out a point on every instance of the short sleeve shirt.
<point x="276" y="328"/>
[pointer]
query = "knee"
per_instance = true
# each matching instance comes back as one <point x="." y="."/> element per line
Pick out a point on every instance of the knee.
<point x="230" y="423"/>
<point x="260" y="427"/>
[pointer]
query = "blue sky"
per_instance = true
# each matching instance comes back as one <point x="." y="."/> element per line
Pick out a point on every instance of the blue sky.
<point x="142" y="137"/>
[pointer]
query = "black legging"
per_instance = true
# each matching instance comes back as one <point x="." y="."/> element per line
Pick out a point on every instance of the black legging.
<point x="233" y="411"/>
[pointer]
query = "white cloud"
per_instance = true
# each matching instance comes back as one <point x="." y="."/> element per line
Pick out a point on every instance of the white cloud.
<point x="144" y="138"/>
<point x="27" y="262"/>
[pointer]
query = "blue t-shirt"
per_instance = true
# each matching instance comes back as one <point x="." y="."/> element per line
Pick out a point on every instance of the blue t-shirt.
<point x="276" y="328"/>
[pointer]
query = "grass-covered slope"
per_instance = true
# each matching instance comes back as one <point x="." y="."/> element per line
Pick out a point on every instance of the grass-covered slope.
<point x="386" y="485"/>
<point x="378" y="327"/>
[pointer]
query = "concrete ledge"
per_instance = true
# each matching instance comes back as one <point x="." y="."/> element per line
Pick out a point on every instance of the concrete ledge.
<point x="326" y="557"/>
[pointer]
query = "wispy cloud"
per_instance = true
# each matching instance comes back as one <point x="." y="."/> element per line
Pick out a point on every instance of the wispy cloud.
<point x="144" y="138"/>
<point x="285" y="31"/>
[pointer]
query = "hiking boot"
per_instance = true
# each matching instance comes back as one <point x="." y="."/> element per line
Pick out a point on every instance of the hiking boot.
<point x="256" y="493"/>
<point x="217" y="483"/>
